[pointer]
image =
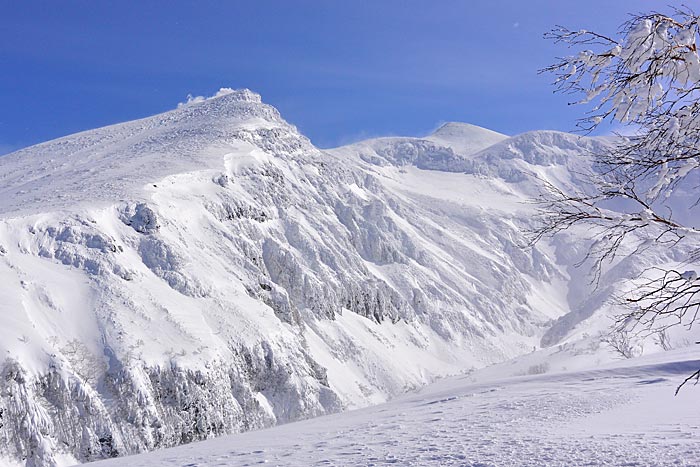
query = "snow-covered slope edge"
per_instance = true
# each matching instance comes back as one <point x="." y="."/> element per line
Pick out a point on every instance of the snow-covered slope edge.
<point x="622" y="414"/>
<point x="208" y="271"/>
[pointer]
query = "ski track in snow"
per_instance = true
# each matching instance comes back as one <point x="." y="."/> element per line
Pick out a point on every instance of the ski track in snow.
<point x="620" y="416"/>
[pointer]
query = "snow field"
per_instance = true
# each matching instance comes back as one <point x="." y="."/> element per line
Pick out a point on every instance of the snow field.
<point x="625" y="414"/>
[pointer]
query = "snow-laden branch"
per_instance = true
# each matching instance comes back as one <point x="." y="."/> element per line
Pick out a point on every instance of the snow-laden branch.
<point x="648" y="79"/>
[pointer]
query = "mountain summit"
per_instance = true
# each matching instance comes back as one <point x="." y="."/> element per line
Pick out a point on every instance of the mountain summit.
<point x="115" y="162"/>
<point x="465" y="138"/>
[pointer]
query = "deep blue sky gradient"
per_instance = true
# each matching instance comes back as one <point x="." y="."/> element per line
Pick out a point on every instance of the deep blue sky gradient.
<point x="339" y="70"/>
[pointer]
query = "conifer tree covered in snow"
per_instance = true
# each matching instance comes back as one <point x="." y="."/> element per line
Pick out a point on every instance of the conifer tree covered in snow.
<point x="647" y="81"/>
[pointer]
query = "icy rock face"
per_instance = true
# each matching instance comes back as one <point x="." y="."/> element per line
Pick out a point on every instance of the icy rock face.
<point x="149" y="407"/>
<point x="143" y="219"/>
<point x="484" y="153"/>
<point x="424" y="155"/>
<point x="208" y="271"/>
<point x="514" y="159"/>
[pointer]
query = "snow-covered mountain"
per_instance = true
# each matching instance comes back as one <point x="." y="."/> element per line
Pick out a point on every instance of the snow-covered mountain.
<point x="208" y="271"/>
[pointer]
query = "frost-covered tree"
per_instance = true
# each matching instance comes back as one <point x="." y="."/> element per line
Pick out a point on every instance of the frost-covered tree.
<point x="647" y="79"/>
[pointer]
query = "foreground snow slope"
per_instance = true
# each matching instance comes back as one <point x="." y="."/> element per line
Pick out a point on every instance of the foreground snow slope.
<point x="624" y="414"/>
<point x="208" y="270"/>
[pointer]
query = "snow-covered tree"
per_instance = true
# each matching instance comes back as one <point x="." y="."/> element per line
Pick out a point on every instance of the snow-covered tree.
<point x="647" y="80"/>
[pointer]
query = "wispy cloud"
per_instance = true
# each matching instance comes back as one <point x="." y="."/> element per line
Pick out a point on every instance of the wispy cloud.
<point x="356" y="137"/>
<point x="197" y="99"/>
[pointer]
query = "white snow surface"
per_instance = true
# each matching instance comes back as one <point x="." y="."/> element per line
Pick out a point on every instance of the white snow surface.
<point x="621" y="414"/>
<point x="98" y="167"/>
<point x="465" y="138"/>
<point x="208" y="271"/>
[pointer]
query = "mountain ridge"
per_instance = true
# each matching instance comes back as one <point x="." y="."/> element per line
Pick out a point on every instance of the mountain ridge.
<point x="164" y="144"/>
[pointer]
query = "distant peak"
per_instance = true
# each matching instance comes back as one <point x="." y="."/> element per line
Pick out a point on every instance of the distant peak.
<point x="459" y="129"/>
<point x="465" y="138"/>
<point x="238" y="95"/>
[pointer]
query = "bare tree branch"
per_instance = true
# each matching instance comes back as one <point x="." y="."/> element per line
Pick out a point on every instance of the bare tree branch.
<point x="649" y="81"/>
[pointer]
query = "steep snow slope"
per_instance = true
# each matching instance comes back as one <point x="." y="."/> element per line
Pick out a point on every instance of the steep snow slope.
<point x="617" y="415"/>
<point x="208" y="271"/>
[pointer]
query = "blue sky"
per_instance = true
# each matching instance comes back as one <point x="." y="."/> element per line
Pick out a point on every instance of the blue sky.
<point x="339" y="70"/>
